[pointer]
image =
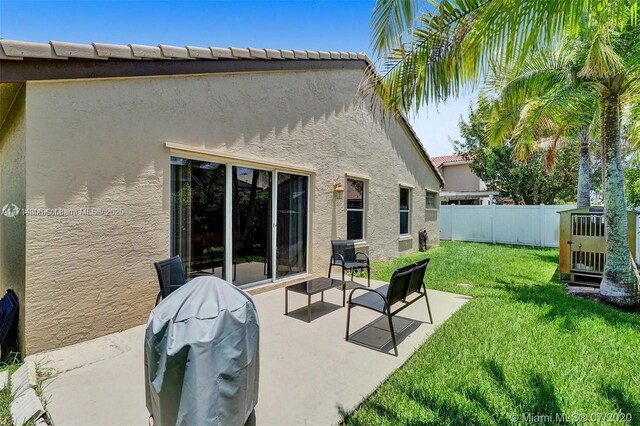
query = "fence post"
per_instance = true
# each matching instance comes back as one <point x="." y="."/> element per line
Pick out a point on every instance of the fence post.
<point x="541" y="224"/>
<point x="452" y="216"/>
<point x="493" y="223"/>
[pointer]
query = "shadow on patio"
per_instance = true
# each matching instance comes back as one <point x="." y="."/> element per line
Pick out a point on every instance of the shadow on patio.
<point x="308" y="372"/>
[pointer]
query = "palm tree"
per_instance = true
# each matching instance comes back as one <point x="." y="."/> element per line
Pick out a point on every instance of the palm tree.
<point x="453" y="44"/>
<point x="541" y="104"/>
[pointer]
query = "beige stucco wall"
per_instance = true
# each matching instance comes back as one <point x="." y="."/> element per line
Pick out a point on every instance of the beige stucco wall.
<point x="459" y="177"/>
<point x="12" y="191"/>
<point x="100" y="144"/>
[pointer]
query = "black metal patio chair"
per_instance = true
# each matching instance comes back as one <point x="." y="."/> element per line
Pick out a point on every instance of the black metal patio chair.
<point x="344" y="255"/>
<point x="404" y="283"/>
<point x="382" y="299"/>
<point x="171" y="276"/>
<point x="417" y="284"/>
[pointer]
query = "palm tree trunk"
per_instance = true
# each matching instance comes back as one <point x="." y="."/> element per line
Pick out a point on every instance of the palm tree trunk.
<point x="584" y="171"/>
<point x="619" y="284"/>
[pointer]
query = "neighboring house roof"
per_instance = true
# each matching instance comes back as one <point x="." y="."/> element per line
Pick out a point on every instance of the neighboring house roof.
<point x="64" y="60"/>
<point x="445" y="159"/>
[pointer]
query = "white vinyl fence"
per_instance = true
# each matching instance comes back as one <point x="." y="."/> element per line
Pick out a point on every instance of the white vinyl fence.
<point x="525" y="225"/>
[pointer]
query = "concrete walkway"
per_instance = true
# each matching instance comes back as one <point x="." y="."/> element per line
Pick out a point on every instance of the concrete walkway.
<point x="308" y="372"/>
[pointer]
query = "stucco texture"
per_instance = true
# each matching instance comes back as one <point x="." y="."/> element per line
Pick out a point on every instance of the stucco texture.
<point x="459" y="177"/>
<point x="101" y="144"/>
<point x="13" y="191"/>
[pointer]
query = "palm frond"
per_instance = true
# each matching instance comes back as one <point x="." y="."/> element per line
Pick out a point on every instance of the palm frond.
<point x="632" y="115"/>
<point x="453" y="47"/>
<point x="602" y="60"/>
<point x="390" y="21"/>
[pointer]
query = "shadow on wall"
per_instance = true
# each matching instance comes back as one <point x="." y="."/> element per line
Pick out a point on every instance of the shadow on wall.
<point x="13" y="193"/>
<point x="408" y="153"/>
<point x="94" y="135"/>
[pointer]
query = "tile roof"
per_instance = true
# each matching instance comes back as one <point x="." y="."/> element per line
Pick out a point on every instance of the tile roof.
<point x="18" y="50"/>
<point x="452" y="158"/>
<point x="15" y="49"/>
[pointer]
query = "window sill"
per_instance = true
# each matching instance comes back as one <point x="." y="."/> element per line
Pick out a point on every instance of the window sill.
<point x="360" y="244"/>
<point x="405" y="238"/>
<point x="432" y="209"/>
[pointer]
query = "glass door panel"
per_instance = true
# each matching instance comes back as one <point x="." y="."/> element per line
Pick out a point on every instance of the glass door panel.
<point x="251" y="225"/>
<point x="198" y="214"/>
<point x="291" y="234"/>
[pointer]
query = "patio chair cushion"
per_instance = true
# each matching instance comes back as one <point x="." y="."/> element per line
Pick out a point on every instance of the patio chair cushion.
<point x="354" y="265"/>
<point x="371" y="300"/>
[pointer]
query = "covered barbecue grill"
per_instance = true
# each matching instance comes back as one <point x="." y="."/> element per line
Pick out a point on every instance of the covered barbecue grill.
<point x="201" y="355"/>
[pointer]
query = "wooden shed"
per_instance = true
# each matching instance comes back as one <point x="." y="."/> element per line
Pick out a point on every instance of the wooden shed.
<point x="582" y="244"/>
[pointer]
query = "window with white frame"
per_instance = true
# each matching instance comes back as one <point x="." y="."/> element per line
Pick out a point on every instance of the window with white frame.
<point x="355" y="209"/>
<point x="431" y="199"/>
<point x="405" y="211"/>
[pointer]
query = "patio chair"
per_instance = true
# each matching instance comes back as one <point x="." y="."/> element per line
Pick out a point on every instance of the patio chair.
<point x="417" y="284"/>
<point x="382" y="299"/>
<point x="344" y="255"/>
<point x="404" y="284"/>
<point x="171" y="276"/>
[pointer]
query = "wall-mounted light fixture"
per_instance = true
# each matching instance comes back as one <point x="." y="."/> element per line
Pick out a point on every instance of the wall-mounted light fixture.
<point x="338" y="190"/>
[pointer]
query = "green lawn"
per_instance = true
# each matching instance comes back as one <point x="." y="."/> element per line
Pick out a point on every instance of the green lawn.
<point x="520" y="347"/>
<point x="10" y="365"/>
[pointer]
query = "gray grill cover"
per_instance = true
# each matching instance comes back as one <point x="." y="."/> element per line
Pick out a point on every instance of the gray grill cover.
<point x="201" y="355"/>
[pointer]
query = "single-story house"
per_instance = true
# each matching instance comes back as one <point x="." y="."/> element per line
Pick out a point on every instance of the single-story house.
<point x="245" y="162"/>
<point x="462" y="186"/>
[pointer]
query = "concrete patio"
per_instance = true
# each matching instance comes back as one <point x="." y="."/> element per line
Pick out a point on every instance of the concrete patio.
<point x="308" y="373"/>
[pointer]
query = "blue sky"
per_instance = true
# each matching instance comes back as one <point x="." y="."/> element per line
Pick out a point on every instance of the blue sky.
<point x="313" y="25"/>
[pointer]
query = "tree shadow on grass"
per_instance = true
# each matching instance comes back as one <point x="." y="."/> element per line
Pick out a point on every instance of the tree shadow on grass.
<point x="567" y="309"/>
<point x="624" y="403"/>
<point x="474" y="406"/>
<point x="540" y="402"/>
<point x="550" y="256"/>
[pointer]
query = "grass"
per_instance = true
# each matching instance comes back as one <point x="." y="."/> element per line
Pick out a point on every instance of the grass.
<point x="11" y="364"/>
<point x="520" y="351"/>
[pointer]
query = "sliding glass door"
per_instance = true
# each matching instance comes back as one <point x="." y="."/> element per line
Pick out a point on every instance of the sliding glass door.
<point x="251" y="225"/>
<point x="198" y="214"/>
<point x="291" y="234"/>
<point x="242" y="224"/>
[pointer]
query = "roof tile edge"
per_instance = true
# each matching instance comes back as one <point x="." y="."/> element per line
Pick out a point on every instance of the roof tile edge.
<point x="16" y="50"/>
